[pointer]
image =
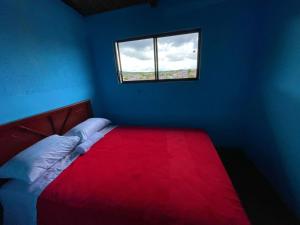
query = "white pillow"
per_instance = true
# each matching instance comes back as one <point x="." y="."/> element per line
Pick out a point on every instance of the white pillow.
<point x="31" y="163"/>
<point x="85" y="146"/>
<point x="87" y="128"/>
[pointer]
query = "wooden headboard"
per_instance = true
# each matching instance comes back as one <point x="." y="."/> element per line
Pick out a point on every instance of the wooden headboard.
<point x="18" y="135"/>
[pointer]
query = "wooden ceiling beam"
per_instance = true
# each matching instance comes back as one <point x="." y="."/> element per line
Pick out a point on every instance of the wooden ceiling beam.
<point x="89" y="7"/>
<point x="152" y="3"/>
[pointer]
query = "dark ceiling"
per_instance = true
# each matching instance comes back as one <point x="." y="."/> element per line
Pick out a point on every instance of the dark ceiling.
<point x="90" y="7"/>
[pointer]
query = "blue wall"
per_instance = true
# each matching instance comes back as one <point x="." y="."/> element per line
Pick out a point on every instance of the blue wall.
<point x="214" y="102"/>
<point x="273" y="139"/>
<point x="248" y="94"/>
<point x="44" y="59"/>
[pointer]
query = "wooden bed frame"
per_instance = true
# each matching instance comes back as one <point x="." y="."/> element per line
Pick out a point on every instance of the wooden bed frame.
<point x="17" y="136"/>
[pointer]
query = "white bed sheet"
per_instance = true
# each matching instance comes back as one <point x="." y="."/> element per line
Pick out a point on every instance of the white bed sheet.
<point x="19" y="199"/>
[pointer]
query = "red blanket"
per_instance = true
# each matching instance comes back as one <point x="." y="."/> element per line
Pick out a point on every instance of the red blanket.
<point x="139" y="176"/>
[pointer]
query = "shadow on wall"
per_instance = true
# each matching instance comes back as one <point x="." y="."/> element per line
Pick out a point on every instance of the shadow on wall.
<point x="274" y="110"/>
<point x="274" y="144"/>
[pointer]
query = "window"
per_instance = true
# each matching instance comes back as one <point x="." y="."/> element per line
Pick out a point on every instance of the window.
<point x="165" y="57"/>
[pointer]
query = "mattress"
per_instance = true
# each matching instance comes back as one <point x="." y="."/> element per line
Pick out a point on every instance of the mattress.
<point x="143" y="176"/>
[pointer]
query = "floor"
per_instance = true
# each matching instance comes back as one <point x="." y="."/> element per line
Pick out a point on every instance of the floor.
<point x="260" y="201"/>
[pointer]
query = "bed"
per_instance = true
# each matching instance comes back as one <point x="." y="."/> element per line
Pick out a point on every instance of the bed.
<point x="133" y="175"/>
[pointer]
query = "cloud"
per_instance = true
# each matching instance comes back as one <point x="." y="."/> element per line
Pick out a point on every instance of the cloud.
<point x="179" y="40"/>
<point x="174" y="53"/>
<point x="170" y="53"/>
<point x="178" y="52"/>
<point x="139" y="45"/>
<point x="145" y="54"/>
<point x="133" y="64"/>
<point x="140" y="49"/>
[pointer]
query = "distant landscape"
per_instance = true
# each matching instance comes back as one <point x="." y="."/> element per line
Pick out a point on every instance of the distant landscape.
<point x="163" y="75"/>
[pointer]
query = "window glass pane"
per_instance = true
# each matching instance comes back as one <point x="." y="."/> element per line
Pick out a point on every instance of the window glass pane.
<point x="137" y="60"/>
<point x="177" y="56"/>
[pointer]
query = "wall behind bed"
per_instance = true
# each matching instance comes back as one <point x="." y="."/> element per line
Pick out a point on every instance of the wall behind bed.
<point x="44" y="59"/>
<point x="215" y="102"/>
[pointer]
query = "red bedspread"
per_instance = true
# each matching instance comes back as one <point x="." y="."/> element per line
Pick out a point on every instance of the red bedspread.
<point x="139" y="176"/>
